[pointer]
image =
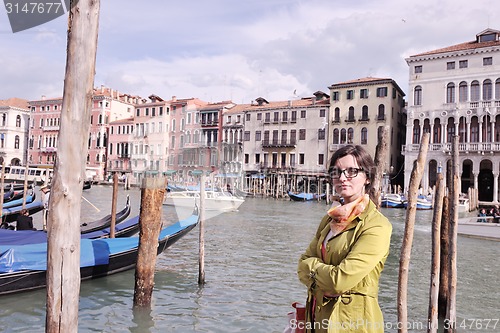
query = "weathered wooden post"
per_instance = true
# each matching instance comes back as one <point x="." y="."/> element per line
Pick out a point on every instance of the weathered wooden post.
<point x="201" y="260"/>
<point x="451" y="311"/>
<point x="2" y="189"/>
<point x="63" y="254"/>
<point x="436" y="253"/>
<point x="444" y="262"/>
<point x="150" y="216"/>
<point x="404" y="260"/>
<point x="113" y="206"/>
<point x="380" y="165"/>
<point x="25" y="183"/>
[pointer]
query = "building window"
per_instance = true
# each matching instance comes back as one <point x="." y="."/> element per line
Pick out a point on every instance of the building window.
<point x="474" y="91"/>
<point x="321" y="134"/>
<point x="363" y="93"/>
<point x="258" y="135"/>
<point x="247" y="116"/>
<point x="321" y="159"/>
<point x="450" y="65"/>
<point x="16" y="142"/>
<point x="246" y="136"/>
<point x="336" y="115"/>
<point x="497" y="89"/>
<point x="336" y="136"/>
<point x="418" y="69"/>
<point x="276" y="117"/>
<point x="416" y="132"/>
<point x="267" y="118"/>
<point x="247" y="158"/>
<point x="259" y="116"/>
<point x="138" y="112"/>
<point x="462" y="92"/>
<point x="293" y="136"/>
<point x="350" y="94"/>
<point x="302" y="113"/>
<point x="463" y="64"/>
<point x="364" y="136"/>
<point x="364" y="112"/>
<point x="382" y="92"/>
<point x="18" y="121"/>
<point x="294" y="116"/>
<point x="488" y="61"/>
<point x="381" y="112"/>
<point x="301" y="158"/>
<point x="350" y="135"/>
<point x="228" y="120"/>
<point x="350" y="115"/>
<point x="450" y="93"/>
<point x="257" y="158"/>
<point x="322" y="113"/>
<point x="335" y="96"/>
<point x="302" y="134"/>
<point x="487" y="90"/>
<point x="417" y="96"/>
<point x="343" y="136"/>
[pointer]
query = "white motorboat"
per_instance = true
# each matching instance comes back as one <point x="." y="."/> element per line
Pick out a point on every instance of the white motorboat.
<point x="214" y="200"/>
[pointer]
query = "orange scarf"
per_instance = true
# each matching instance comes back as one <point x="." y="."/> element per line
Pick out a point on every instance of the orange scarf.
<point x="345" y="214"/>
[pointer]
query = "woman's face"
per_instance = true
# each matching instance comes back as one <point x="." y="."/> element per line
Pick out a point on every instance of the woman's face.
<point x="349" y="188"/>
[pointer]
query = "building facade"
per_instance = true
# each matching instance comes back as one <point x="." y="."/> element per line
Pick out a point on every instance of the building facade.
<point x="14" y="129"/>
<point x="359" y="111"/>
<point x="454" y="91"/>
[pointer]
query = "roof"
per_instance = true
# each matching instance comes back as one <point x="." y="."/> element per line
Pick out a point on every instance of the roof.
<point x="472" y="45"/>
<point x="15" y="102"/>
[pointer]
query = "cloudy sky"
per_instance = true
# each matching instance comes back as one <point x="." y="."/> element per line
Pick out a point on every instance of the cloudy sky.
<point x="239" y="50"/>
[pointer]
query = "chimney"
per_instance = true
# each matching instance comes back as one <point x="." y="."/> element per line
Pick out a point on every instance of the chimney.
<point x="174" y="98"/>
<point x="43" y="97"/>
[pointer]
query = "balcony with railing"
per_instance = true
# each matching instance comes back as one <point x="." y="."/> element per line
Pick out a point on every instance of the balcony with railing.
<point x="209" y="123"/>
<point x="465" y="148"/>
<point x="279" y="143"/>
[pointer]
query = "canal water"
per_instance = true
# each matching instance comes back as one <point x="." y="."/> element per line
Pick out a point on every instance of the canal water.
<point x="250" y="267"/>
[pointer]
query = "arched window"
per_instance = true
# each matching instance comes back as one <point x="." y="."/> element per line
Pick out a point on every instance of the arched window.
<point x="487" y="90"/>
<point x="381" y="112"/>
<point x="350" y="135"/>
<point x="463" y="95"/>
<point x="450" y="93"/>
<point x="336" y="136"/>
<point x="16" y="142"/>
<point x="416" y="131"/>
<point x="4" y="119"/>
<point x="350" y="117"/>
<point x="364" y="136"/>
<point x="417" y="96"/>
<point x="437" y="131"/>
<point x="450" y="129"/>
<point x="343" y="136"/>
<point x="18" y="121"/>
<point x="474" y="91"/>
<point x="111" y="149"/>
<point x="474" y="129"/>
<point x="364" y="112"/>
<point x="497" y="89"/>
<point x="337" y="115"/>
<point x="462" y="129"/>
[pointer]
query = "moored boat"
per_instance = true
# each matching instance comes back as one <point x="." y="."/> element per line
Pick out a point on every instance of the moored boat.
<point x="214" y="200"/>
<point x="392" y="200"/>
<point x="23" y="267"/>
<point x="303" y="196"/>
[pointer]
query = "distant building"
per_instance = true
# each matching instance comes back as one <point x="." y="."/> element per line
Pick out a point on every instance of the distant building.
<point x="455" y="90"/>
<point x="14" y="129"/>
<point x="359" y="110"/>
<point x="120" y="147"/>
<point x="107" y="105"/>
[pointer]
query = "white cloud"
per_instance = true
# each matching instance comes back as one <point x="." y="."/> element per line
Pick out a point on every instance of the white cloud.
<point x="218" y="50"/>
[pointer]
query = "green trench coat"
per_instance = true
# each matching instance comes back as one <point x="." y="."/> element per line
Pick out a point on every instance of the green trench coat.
<point x="354" y="260"/>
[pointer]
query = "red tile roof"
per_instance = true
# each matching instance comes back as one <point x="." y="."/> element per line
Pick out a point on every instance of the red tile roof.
<point x="15" y="102"/>
<point x="460" y="47"/>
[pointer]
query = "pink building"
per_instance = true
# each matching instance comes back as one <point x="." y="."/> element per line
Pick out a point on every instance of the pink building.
<point x="120" y="146"/>
<point x="107" y="105"/>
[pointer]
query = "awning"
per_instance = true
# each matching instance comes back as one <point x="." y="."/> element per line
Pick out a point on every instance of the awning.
<point x="196" y="172"/>
<point x="228" y="175"/>
<point x="169" y="172"/>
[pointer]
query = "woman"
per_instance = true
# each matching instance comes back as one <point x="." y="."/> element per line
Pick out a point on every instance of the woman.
<point x="342" y="265"/>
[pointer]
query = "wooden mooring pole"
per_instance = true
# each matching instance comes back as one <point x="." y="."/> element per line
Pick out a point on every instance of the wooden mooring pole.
<point x="436" y="253"/>
<point x="201" y="261"/>
<point x="152" y="194"/>
<point x="380" y="166"/>
<point x="113" y="206"/>
<point x="404" y="259"/>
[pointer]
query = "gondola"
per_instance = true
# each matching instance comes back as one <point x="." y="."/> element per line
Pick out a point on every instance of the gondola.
<point x="100" y="229"/>
<point x="106" y="221"/>
<point x="19" y="202"/>
<point x="23" y="267"/>
<point x="305" y="196"/>
<point x="10" y="214"/>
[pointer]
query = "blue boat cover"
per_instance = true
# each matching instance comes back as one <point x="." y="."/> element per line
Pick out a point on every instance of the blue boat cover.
<point x="92" y="251"/>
